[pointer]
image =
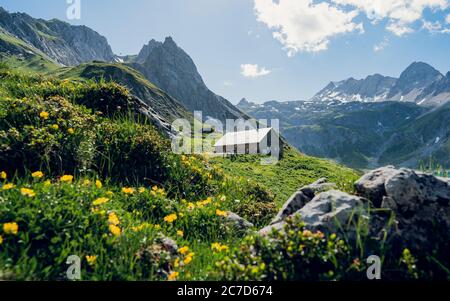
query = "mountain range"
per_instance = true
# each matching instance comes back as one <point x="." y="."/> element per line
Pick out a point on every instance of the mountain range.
<point x="362" y="123"/>
<point x="419" y="83"/>
<point x="162" y="64"/>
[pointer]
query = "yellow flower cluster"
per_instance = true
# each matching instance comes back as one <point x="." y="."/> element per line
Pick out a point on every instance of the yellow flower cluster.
<point x="183" y="250"/>
<point x="8" y="186"/>
<point x="100" y="201"/>
<point x="171" y="218"/>
<point x="221" y="213"/>
<point x="173" y="276"/>
<point x="218" y="247"/>
<point x="91" y="259"/>
<point x="37" y="175"/>
<point x="204" y="203"/>
<point x="67" y="179"/>
<point x="128" y="190"/>
<point x="157" y="191"/>
<point x="180" y="233"/>
<point x="3" y="175"/>
<point x="27" y="192"/>
<point x="98" y="184"/>
<point x="11" y="228"/>
<point x="44" y="115"/>
<point x="114" y="221"/>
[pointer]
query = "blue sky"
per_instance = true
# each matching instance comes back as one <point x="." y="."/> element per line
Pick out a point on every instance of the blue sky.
<point x="272" y="49"/>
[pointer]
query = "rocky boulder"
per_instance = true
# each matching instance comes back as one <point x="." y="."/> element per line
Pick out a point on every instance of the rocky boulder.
<point x="328" y="212"/>
<point x="371" y="185"/>
<point x="237" y="222"/>
<point x="301" y="197"/>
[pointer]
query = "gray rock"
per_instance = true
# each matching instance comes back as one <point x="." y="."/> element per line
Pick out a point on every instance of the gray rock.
<point x="237" y="222"/>
<point x="300" y="198"/>
<point x="295" y="203"/>
<point x="328" y="212"/>
<point x="371" y="185"/>
<point x="331" y="210"/>
<point x="411" y="189"/>
<point x="169" y="245"/>
<point x="320" y="185"/>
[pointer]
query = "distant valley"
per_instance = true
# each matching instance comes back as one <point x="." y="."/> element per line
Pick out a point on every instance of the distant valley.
<point x="371" y="122"/>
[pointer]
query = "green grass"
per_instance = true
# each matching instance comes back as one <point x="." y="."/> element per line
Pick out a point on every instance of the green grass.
<point x="288" y="175"/>
<point x="21" y="56"/>
<point x="91" y="131"/>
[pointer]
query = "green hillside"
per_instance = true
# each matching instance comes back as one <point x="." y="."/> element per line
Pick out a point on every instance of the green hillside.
<point x="82" y="172"/>
<point x="20" y="55"/>
<point x="166" y="106"/>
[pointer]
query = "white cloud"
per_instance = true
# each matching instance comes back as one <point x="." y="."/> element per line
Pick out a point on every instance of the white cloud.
<point x="227" y="83"/>
<point x="380" y="46"/>
<point x="304" y="25"/>
<point x="447" y="19"/>
<point x="401" y="14"/>
<point x="435" y="27"/>
<point x="253" y="71"/>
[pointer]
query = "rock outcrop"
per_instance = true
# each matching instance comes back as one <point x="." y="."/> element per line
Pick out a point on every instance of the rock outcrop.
<point x="172" y="69"/>
<point x="412" y="207"/>
<point x="67" y="44"/>
<point x="303" y="196"/>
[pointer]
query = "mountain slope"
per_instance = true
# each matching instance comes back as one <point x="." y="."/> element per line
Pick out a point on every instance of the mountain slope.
<point x="160" y="104"/>
<point x="19" y="54"/>
<point x="419" y="83"/>
<point x="65" y="43"/>
<point x="362" y="135"/>
<point x="170" y="68"/>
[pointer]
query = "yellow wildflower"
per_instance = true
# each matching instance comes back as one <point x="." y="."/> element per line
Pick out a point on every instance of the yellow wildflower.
<point x="1" y="239"/>
<point x="37" y="174"/>
<point x="67" y="179"/>
<point x="100" y="201"/>
<point x="221" y="213"/>
<point x="183" y="250"/>
<point x="71" y="131"/>
<point x="170" y="218"/>
<point x="91" y="259"/>
<point x="55" y="127"/>
<point x="217" y="247"/>
<point x="176" y="264"/>
<point x="141" y="189"/>
<point x="113" y="219"/>
<point x="47" y="183"/>
<point x="11" y="228"/>
<point x="98" y="184"/>
<point x="86" y="182"/>
<point x="128" y="190"/>
<point x="155" y="188"/>
<point x="44" y="115"/>
<point x="8" y="186"/>
<point x="27" y="192"/>
<point x="157" y="227"/>
<point x="191" y="206"/>
<point x="180" y="233"/>
<point x="115" y="230"/>
<point x="3" y="175"/>
<point x="173" y="276"/>
<point x="187" y="260"/>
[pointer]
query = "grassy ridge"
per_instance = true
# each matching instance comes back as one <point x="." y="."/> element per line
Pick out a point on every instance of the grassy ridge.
<point x="292" y="172"/>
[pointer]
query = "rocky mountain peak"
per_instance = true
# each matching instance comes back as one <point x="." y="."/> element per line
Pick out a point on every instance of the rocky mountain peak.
<point x="172" y="69"/>
<point x="65" y="43"/>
